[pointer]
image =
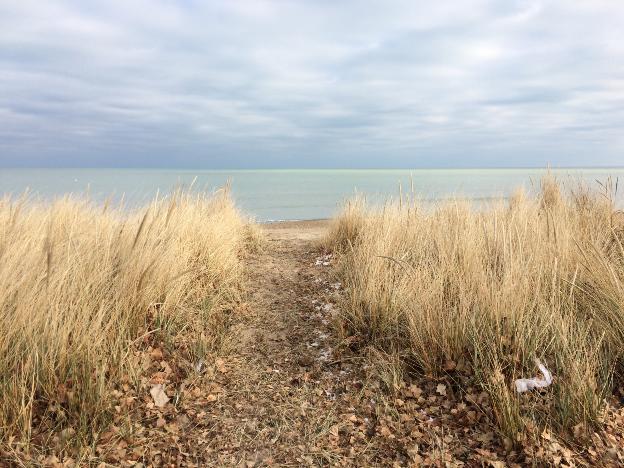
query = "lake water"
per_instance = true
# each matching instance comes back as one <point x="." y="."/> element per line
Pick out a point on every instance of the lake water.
<point x="289" y="194"/>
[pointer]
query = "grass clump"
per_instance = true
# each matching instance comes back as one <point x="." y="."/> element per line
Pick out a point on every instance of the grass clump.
<point x="345" y="229"/>
<point x="535" y="277"/>
<point x="83" y="285"/>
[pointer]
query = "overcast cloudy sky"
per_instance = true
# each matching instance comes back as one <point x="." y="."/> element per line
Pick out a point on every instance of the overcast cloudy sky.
<point x="317" y="83"/>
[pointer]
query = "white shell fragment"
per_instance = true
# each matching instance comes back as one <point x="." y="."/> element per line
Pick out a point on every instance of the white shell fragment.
<point x="524" y="385"/>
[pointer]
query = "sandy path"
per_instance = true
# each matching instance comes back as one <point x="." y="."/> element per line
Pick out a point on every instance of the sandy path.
<point x="285" y="391"/>
<point x="278" y="400"/>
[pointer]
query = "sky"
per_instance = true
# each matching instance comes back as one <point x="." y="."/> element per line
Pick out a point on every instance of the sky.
<point x="311" y="84"/>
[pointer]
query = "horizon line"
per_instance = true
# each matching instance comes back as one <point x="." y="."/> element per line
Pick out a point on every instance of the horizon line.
<point x="547" y="167"/>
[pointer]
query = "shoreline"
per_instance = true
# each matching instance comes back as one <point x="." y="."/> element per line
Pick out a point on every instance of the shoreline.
<point x="305" y="230"/>
<point x="291" y="223"/>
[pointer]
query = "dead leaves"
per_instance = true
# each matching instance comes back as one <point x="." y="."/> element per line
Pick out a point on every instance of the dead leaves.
<point x="159" y="396"/>
<point x="413" y="391"/>
<point x="156" y="354"/>
<point x="220" y="366"/>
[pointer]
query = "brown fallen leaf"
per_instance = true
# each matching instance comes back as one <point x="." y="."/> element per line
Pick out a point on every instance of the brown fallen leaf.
<point x="441" y="389"/>
<point x="220" y="365"/>
<point x="156" y="354"/>
<point x="450" y="365"/>
<point x="159" y="395"/>
<point x="414" y="391"/>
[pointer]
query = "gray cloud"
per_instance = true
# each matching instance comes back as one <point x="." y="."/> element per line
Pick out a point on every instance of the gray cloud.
<point x="311" y="83"/>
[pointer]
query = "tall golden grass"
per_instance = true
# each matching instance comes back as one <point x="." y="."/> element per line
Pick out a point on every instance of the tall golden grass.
<point x="82" y="284"/>
<point x="487" y="290"/>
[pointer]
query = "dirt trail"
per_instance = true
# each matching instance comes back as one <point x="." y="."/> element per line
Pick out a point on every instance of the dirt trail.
<point x="279" y="385"/>
<point x="292" y="393"/>
<point x="285" y="391"/>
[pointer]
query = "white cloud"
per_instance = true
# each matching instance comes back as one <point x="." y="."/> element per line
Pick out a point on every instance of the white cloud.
<point x="311" y="83"/>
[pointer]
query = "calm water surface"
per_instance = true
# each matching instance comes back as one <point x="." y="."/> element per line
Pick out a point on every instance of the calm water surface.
<point x="290" y="194"/>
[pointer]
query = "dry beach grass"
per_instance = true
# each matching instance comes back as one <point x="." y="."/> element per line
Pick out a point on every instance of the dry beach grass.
<point x="463" y="292"/>
<point x="182" y="335"/>
<point x="84" y="287"/>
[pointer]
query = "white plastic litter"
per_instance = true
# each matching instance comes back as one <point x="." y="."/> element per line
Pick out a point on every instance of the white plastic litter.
<point x="524" y="385"/>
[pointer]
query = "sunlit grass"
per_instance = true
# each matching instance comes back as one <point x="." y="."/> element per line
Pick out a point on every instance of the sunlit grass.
<point x="84" y="284"/>
<point x="532" y="277"/>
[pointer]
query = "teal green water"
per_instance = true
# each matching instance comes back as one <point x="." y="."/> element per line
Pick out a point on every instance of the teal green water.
<point x="290" y="194"/>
